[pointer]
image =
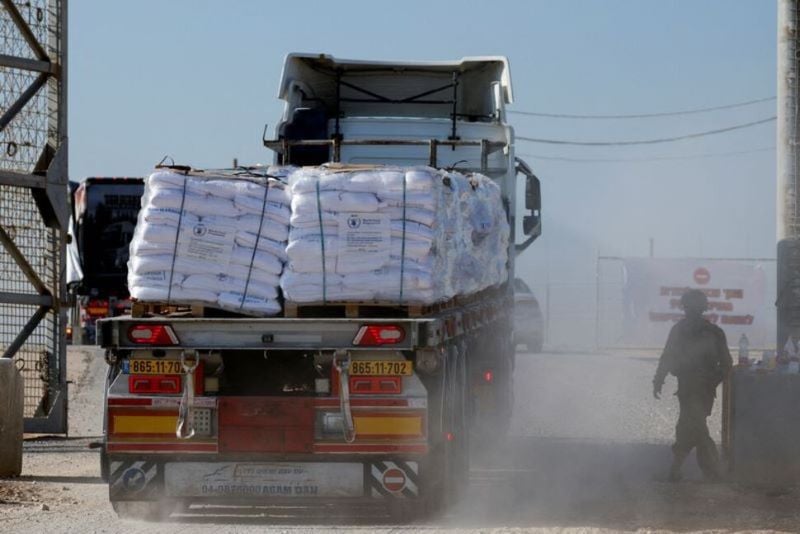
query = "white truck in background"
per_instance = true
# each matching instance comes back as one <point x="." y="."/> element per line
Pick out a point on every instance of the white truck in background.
<point x="390" y="396"/>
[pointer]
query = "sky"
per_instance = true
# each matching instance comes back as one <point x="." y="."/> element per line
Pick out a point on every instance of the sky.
<point x="197" y="80"/>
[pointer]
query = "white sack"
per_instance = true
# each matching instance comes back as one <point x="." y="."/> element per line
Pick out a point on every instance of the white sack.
<point x="204" y="253"/>
<point x="445" y="232"/>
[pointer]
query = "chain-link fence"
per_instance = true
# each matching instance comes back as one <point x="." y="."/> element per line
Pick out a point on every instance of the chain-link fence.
<point x="33" y="197"/>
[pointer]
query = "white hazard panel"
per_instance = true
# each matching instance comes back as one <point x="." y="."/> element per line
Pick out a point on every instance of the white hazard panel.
<point x="394" y="479"/>
<point x="221" y="479"/>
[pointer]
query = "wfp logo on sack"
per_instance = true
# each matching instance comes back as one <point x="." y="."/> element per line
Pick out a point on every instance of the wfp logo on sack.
<point x="354" y="222"/>
<point x="199" y="230"/>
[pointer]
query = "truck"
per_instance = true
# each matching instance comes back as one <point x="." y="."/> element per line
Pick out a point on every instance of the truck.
<point x="341" y="404"/>
<point x="104" y="212"/>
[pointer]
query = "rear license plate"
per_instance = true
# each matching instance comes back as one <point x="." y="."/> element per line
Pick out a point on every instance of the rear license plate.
<point x="381" y="368"/>
<point x="152" y="367"/>
<point x="201" y="479"/>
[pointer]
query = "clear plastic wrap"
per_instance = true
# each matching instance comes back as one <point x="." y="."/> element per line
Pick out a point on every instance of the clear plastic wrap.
<point x="417" y="236"/>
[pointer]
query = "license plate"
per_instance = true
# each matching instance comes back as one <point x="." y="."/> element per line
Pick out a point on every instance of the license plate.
<point x="381" y="368"/>
<point x="201" y="479"/>
<point x="153" y="367"/>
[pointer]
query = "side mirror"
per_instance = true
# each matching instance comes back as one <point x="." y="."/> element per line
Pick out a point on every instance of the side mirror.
<point x="533" y="194"/>
<point x="531" y="223"/>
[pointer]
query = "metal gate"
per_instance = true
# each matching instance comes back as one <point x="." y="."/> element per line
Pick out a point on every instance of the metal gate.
<point x="33" y="204"/>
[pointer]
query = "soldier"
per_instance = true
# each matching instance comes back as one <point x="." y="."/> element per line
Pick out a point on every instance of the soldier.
<point x="697" y="354"/>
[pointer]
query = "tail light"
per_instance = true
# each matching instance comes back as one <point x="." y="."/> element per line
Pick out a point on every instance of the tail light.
<point x="488" y="376"/>
<point x="384" y="334"/>
<point x="152" y="334"/>
<point x="97" y="308"/>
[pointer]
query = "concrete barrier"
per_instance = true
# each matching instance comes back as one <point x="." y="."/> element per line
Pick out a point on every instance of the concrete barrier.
<point x="11" y="404"/>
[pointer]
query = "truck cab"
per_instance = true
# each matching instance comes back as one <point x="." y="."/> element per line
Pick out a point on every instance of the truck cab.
<point x="104" y="212"/>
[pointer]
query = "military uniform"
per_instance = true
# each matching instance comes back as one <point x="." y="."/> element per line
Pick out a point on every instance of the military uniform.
<point x="697" y="354"/>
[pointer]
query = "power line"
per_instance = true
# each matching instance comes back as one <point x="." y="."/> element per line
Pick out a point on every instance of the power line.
<point x="643" y="115"/>
<point x="656" y="158"/>
<point x="644" y="141"/>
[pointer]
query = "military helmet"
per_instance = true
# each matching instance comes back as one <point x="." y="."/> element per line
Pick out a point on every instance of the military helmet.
<point x="694" y="300"/>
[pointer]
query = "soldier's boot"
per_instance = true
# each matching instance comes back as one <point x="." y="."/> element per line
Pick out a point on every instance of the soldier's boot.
<point x="678" y="458"/>
<point x="708" y="459"/>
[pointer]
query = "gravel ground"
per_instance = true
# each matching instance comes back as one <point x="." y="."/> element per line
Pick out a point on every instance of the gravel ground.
<point x="586" y="452"/>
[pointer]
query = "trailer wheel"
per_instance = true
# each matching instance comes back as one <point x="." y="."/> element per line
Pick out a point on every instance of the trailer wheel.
<point x="11" y="415"/>
<point x="489" y="426"/>
<point x="448" y="465"/>
<point x="144" y="510"/>
<point x="104" y="467"/>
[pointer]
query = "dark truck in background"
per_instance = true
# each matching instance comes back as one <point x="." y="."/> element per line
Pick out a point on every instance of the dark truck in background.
<point x="104" y="212"/>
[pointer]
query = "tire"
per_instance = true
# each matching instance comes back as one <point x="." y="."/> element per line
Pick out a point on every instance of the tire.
<point x="154" y="511"/>
<point x="488" y="430"/>
<point x="11" y="419"/>
<point x="104" y="467"/>
<point x="448" y="464"/>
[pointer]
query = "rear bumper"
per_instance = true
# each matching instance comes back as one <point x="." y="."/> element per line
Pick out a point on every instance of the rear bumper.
<point x="214" y="479"/>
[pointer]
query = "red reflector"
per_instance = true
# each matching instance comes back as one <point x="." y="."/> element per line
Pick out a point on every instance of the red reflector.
<point x="166" y="384"/>
<point x="376" y="384"/>
<point x="155" y="384"/>
<point x="449" y="436"/>
<point x="383" y="334"/>
<point x="488" y="376"/>
<point x="152" y="334"/>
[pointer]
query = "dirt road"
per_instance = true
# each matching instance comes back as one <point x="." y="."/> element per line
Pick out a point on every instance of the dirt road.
<point x="587" y="447"/>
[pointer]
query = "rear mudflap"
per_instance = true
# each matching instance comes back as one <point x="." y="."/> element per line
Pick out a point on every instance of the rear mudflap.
<point x="259" y="481"/>
<point x="139" y="480"/>
<point x="393" y="479"/>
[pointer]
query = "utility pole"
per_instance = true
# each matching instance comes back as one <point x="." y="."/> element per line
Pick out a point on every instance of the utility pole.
<point x="788" y="215"/>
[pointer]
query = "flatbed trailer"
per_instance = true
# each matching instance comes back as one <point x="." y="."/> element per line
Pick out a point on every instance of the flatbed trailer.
<point x="412" y="429"/>
<point x="359" y="402"/>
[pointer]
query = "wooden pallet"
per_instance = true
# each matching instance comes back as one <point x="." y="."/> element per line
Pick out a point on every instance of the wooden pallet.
<point x="150" y="309"/>
<point x="357" y="309"/>
<point x="330" y="309"/>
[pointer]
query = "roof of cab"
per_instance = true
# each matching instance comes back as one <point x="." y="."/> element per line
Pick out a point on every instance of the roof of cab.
<point x="317" y="73"/>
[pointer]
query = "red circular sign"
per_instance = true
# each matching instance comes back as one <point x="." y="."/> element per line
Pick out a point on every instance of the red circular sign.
<point x="702" y="276"/>
<point x="394" y="480"/>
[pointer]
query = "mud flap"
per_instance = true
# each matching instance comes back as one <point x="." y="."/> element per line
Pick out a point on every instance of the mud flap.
<point x="135" y="480"/>
<point x="392" y="479"/>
